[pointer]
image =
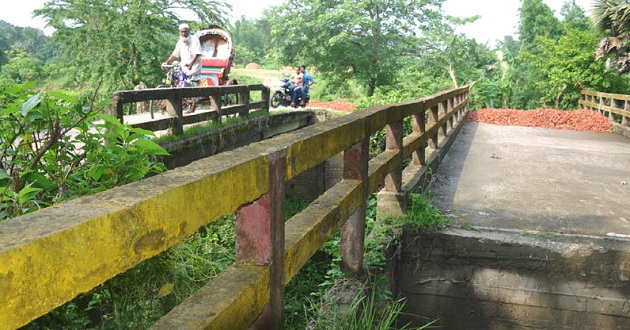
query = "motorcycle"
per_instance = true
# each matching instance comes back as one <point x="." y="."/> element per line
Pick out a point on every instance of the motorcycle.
<point x="176" y="77"/>
<point x="282" y="96"/>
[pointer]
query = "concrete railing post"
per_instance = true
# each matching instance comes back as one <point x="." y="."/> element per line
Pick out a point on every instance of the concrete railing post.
<point x="260" y="234"/>
<point x="356" y="160"/>
<point x="419" y="125"/>
<point x="178" y="123"/>
<point x="626" y="108"/>
<point x="442" y="113"/>
<point x="433" y="119"/>
<point x="392" y="200"/>
<point x="449" y="108"/>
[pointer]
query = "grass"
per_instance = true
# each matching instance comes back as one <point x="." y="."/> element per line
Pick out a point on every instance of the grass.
<point x="199" y="129"/>
<point x="421" y="214"/>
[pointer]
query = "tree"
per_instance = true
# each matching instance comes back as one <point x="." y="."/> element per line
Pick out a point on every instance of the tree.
<point x="536" y="22"/>
<point x="121" y="42"/>
<point x="22" y="67"/>
<point x="252" y="39"/>
<point x="537" y="19"/>
<point x="362" y="41"/>
<point x="568" y="67"/>
<point x="612" y="19"/>
<point x="573" y="17"/>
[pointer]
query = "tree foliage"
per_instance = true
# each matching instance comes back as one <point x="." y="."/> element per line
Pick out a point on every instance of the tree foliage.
<point x="355" y="40"/>
<point x="121" y="42"/>
<point x="252" y="39"/>
<point x="536" y="19"/>
<point x="612" y="19"/>
<point x="56" y="146"/>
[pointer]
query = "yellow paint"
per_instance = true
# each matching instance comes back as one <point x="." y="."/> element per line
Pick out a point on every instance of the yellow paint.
<point x="106" y="234"/>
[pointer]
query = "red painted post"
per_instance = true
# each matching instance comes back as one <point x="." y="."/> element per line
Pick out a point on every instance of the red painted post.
<point x="353" y="230"/>
<point x="260" y="237"/>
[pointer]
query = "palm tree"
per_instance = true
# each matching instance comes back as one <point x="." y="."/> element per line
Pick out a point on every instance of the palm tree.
<point x="612" y="19"/>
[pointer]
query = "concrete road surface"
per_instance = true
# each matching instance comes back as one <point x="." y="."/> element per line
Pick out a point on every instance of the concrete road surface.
<point x="535" y="179"/>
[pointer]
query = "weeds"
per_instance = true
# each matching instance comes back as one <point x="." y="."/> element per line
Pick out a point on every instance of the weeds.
<point x="421" y="214"/>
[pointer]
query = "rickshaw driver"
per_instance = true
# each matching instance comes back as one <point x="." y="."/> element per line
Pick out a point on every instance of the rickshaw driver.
<point x="188" y="49"/>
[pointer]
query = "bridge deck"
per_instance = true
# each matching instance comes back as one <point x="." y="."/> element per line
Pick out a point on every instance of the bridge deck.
<point x="534" y="179"/>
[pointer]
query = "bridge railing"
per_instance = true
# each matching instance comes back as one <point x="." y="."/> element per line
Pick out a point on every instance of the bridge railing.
<point x="50" y="256"/>
<point x="615" y="106"/>
<point x="175" y="96"/>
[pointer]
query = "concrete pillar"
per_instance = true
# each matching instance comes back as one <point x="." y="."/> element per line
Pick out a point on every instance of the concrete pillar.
<point x="391" y="201"/>
<point x="353" y="230"/>
<point x="260" y="237"/>
<point x="433" y="118"/>
<point x="419" y="125"/>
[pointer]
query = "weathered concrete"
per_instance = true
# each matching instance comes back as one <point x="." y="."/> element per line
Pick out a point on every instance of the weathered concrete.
<point x="544" y="205"/>
<point x="232" y="136"/>
<point x="482" y="280"/>
<point x="537" y="179"/>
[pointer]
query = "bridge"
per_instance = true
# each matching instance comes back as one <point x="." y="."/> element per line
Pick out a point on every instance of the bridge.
<point x="50" y="256"/>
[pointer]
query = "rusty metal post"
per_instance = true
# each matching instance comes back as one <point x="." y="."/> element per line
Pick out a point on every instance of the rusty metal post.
<point x="353" y="230"/>
<point x="260" y="236"/>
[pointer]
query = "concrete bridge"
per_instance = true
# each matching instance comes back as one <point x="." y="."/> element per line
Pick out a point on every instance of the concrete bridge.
<point x="541" y="236"/>
<point x="50" y="256"/>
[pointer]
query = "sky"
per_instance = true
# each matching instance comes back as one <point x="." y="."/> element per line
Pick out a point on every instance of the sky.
<point x="498" y="17"/>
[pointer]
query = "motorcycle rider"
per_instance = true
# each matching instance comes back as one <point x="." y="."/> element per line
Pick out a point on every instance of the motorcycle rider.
<point x="188" y="49"/>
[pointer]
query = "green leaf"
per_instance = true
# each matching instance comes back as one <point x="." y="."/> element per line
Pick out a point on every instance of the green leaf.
<point x="64" y="96"/>
<point x="149" y="145"/>
<point x="27" y="194"/>
<point x="31" y="103"/>
<point x="4" y="174"/>
<point x="39" y="181"/>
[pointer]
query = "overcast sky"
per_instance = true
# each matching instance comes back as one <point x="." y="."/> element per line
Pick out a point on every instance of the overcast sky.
<point x="498" y="17"/>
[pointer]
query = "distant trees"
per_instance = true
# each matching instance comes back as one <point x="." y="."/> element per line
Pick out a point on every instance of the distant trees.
<point x="552" y="59"/>
<point x="121" y="42"/>
<point x="360" y="40"/>
<point x="252" y="39"/>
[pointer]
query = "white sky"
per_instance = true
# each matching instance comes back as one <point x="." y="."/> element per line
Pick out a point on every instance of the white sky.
<point x="498" y="17"/>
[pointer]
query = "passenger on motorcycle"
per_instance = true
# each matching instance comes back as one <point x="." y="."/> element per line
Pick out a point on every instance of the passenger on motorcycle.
<point x="188" y="49"/>
<point x="297" y="82"/>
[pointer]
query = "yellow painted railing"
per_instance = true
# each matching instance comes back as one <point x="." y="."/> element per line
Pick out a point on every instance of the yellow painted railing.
<point x="49" y="257"/>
